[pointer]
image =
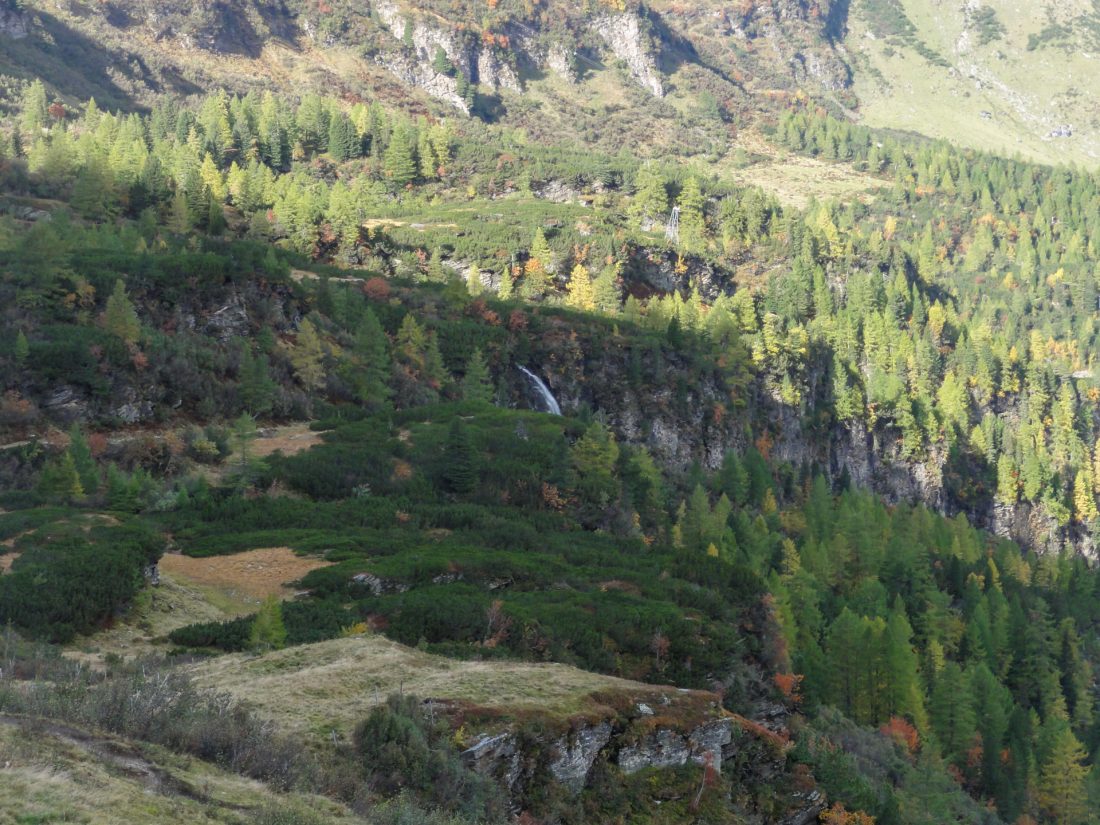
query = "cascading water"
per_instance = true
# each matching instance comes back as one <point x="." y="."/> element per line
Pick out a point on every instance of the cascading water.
<point x="549" y="402"/>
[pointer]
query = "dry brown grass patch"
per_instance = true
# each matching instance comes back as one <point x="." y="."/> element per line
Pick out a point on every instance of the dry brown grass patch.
<point x="248" y="577"/>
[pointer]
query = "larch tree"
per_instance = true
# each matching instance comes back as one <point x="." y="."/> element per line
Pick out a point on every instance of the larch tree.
<point x="120" y="318"/>
<point x="580" y="293"/>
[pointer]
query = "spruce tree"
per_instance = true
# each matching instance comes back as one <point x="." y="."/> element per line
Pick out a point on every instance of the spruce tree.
<point x="22" y="348"/>
<point x="372" y="352"/>
<point x="476" y="383"/>
<point x="83" y="461"/>
<point x="120" y="318"/>
<point x="60" y="480"/>
<point x="460" y="471"/>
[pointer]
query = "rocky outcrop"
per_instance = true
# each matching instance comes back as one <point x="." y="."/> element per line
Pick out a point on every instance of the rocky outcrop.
<point x="495" y="72"/>
<point x="13" y="22"/>
<point x="577" y="752"/>
<point x="423" y="76"/>
<point x="629" y="744"/>
<point x="623" y="34"/>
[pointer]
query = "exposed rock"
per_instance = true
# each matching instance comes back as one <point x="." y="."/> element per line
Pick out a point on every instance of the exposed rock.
<point x="496" y="756"/>
<point x="576" y="753"/>
<point x="427" y="40"/>
<point x="496" y="73"/>
<point x="13" y="23"/>
<point x="423" y="76"/>
<point x="624" y="36"/>
<point x="228" y="322"/>
<point x="378" y="586"/>
<point x="666" y="748"/>
<point x="562" y="60"/>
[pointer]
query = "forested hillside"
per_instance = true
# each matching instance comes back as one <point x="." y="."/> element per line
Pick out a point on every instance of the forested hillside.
<point x="790" y="502"/>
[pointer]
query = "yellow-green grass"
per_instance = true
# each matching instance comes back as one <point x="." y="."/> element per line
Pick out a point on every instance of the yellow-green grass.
<point x="1025" y="93"/>
<point x="793" y="179"/>
<point x="55" y="774"/>
<point x="331" y="686"/>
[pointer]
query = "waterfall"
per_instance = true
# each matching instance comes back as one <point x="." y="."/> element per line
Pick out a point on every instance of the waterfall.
<point x="549" y="403"/>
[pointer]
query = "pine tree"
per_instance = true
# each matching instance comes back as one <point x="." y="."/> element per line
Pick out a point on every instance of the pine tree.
<point x="476" y="383"/>
<point x="120" y="318"/>
<point x="1061" y="786"/>
<point x="594" y="457"/>
<point x="902" y="682"/>
<point x="650" y="202"/>
<point x="33" y="112"/>
<point x="83" y="461"/>
<point x="307" y="357"/>
<point x="608" y="295"/>
<point x="951" y="714"/>
<point x="268" y="630"/>
<point x="60" y="480"/>
<point x="399" y="161"/>
<point x="257" y="388"/>
<point x="692" y="222"/>
<point x="506" y="287"/>
<point x="22" y="349"/>
<point x="579" y="292"/>
<point x="460" y="471"/>
<point x="539" y="269"/>
<point x="372" y="351"/>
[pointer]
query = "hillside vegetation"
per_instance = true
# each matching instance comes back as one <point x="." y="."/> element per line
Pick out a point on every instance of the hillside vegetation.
<point x="522" y="435"/>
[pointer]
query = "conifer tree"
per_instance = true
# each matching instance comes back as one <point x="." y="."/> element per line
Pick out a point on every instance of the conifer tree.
<point x="579" y="292"/>
<point x="1061" y="785"/>
<point x="22" y="348"/>
<point x="399" y="160"/>
<point x="650" y="202"/>
<point x="692" y="221"/>
<point x="257" y="388"/>
<point x="460" y="471"/>
<point x="606" y="291"/>
<point x="120" y="318"/>
<point x="476" y="383"/>
<point x="372" y="351"/>
<point x="33" y="111"/>
<point x="307" y="357"/>
<point x="539" y="270"/>
<point x="268" y="630"/>
<point x="60" y="480"/>
<point x="83" y="461"/>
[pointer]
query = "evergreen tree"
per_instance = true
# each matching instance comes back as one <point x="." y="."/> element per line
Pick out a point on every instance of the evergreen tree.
<point x="1061" y="785"/>
<point x="120" y="318"/>
<point x="257" y="388"/>
<point x="83" y="461"/>
<point x="372" y="351"/>
<point x="692" y="222"/>
<point x="476" y="383"/>
<point x="59" y="480"/>
<point x="460" y="470"/>
<point x="399" y="160"/>
<point x="650" y="202"/>
<point x="34" y="109"/>
<point x="307" y="357"/>
<point x="22" y="348"/>
<point x="268" y="631"/>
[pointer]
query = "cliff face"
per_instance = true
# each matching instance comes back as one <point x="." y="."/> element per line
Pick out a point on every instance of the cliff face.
<point x="739" y="753"/>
